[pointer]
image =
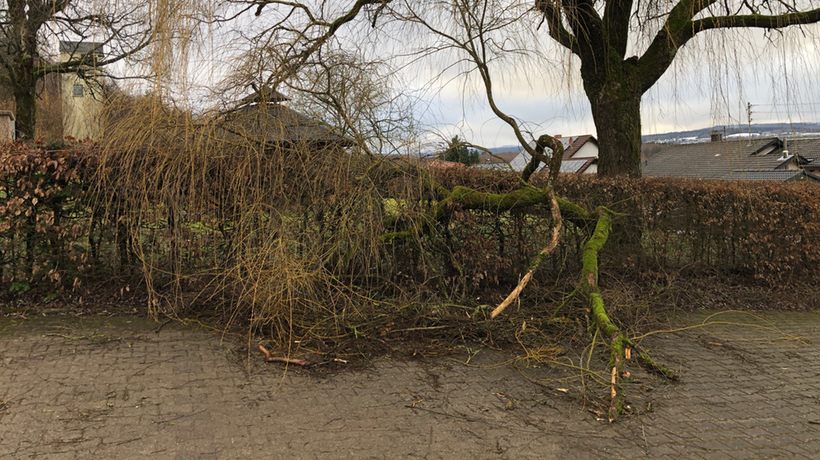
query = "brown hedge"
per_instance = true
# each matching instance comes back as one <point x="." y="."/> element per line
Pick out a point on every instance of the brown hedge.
<point x="763" y="230"/>
<point x="43" y="214"/>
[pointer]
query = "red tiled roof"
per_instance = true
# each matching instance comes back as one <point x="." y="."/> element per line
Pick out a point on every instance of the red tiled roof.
<point x="441" y="164"/>
<point x="486" y="158"/>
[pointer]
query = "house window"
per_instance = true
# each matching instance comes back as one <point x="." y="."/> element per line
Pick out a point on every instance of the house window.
<point x="79" y="91"/>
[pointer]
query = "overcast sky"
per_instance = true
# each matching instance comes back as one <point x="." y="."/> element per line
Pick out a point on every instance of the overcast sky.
<point x="780" y="78"/>
<point x="711" y="82"/>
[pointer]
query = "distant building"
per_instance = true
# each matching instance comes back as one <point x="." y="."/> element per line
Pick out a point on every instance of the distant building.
<point x="805" y="147"/>
<point x="82" y="90"/>
<point x="746" y="159"/>
<point x="263" y="117"/>
<point x="580" y="156"/>
<point x="498" y="160"/>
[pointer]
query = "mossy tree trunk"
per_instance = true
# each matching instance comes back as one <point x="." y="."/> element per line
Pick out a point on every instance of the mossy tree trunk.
<point x="616" y="110"/>
<point x="617" y="341"/>
<point x="25" y="98"/>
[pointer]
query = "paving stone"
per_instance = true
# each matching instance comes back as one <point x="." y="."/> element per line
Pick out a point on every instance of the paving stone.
<point x="180" y="394"/>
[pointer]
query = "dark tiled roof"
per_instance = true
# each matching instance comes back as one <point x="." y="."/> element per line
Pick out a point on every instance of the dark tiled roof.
<point x="807" y="147"/>
<point x="713" y="160"/>
<point x="277" y="124"/>
<point x="75" y="47"/>
<point x="576" y="165"/>
<point x="779" y="175"/>
<point x="264" y="96"/>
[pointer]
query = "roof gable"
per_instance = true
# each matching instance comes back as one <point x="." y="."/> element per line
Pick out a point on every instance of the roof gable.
<point x="578" y="143"/>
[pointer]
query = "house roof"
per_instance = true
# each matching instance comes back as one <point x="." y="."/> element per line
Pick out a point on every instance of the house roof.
<point x="501" y="157"/>
<point x="715" y="160"/>
<point x="275" y="123"/>
<point x="266" y="95"/>
<point x="779" y="175"/>
<point x="571" y="164"/>
<point x="576" y="145"/>
<point x="519" y="158"/>
<point x="75" y="47"/>
<point x="808" y="148"/>
<point x="576" y="165"/>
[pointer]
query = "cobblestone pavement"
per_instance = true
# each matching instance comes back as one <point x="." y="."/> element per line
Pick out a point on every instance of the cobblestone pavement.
<point x="116" y="389"/>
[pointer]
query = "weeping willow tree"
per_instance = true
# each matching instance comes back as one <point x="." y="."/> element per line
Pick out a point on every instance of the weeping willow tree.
<point x="281" y="201"/>
<point x="621" y="47"/>
<point x="265" y="202"/>
<point x="293" y="220"/>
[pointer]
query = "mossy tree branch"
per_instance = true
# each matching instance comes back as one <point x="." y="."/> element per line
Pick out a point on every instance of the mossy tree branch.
<point x="467" y="198"/>
<point x="544" y="142"/>
<point x="618" y="342"/>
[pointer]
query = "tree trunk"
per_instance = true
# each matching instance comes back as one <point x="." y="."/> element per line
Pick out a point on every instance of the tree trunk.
<point x="26" y="101"/>
<point x="24" y="88"/>
<point x="616" y="110"/>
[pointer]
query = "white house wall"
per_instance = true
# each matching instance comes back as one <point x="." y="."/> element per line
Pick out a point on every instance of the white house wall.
<point x="81" y="114"/>
<point x="588" y="150"/>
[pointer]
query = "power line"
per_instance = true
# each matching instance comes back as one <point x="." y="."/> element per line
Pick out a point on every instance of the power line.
<point x="790" y="104"/>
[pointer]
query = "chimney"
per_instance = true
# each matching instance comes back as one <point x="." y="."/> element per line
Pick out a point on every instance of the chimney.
<point x="716" y="136"/>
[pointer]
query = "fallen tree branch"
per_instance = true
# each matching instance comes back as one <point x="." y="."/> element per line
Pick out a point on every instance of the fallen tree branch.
<point x="618" y="342"/>
<point x="565" y="301"/>
<point x="556" y="236"/>
<point x="467" y="198"/>
<point x="648" y="363"/>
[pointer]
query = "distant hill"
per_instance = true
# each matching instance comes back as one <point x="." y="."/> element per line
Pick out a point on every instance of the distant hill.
<point x="505" y="148"/>
<point x="494" y="150"/>
<point x="757" y="130"/>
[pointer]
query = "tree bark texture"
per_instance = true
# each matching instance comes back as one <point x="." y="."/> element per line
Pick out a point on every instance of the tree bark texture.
<point x="616" y="110"/>
<point x="25" y="98"/>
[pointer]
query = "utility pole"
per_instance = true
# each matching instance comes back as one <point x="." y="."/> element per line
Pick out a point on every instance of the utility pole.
<point x="749" y="117"/>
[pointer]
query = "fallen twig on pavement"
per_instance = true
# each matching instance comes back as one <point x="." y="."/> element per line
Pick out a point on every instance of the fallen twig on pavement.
<point x="282" y="359"/>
